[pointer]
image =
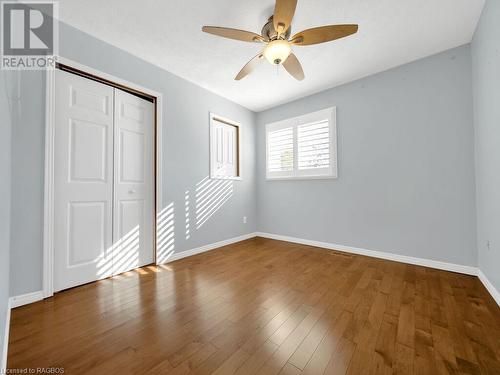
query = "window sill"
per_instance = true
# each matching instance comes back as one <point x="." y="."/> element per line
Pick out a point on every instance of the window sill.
<point x="301" y="178"/>
<point x="225" y="178"/>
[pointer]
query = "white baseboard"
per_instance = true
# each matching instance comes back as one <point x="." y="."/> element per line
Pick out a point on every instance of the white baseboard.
<point x="489" y="287"/>
<point x="5" y="349"/>
<point x="212" y="246"/>
<point x="25" y="299"/>
<point x="468" y="270"/>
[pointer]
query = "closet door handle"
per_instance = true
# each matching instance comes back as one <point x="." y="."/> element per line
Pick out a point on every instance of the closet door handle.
<point x="132" y="191"/>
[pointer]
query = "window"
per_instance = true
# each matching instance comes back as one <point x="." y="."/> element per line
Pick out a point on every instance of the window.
<point x="302" y="147"/>
<point x="224" y="148"/>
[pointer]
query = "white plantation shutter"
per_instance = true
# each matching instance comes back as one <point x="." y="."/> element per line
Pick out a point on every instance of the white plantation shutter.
<point x="224" y="148"/>
<point x="280" y="150"/>
<point x="303" y="147"/>
<point x="314" y="145"/>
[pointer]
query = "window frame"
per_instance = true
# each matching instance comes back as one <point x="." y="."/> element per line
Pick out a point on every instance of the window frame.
<point x="330" y="172"/>
<point x="216" y="118"/>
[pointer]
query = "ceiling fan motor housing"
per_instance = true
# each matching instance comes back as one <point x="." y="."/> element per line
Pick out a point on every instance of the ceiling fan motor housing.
<point x="268" y="31"/>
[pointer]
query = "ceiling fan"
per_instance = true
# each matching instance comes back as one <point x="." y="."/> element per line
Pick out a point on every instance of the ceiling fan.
<point x="276" y="35"/>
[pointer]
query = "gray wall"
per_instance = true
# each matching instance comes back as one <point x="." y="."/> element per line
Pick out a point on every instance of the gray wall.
<point x="406" y="165"/>
<point x="486" y="78"/>
<point x="27" y="186"/>
<point x="5" y="178"/>
<point x="406" y="160"/>
<point x="185" y="159"/>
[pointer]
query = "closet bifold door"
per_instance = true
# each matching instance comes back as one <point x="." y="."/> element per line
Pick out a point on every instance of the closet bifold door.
<point x="133" y="212"/>
<point x="103" y="181"/>
<point x="83" y="181"/>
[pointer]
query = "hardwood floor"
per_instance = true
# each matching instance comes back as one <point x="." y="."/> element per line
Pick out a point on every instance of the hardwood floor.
<point x="265" y="307"/>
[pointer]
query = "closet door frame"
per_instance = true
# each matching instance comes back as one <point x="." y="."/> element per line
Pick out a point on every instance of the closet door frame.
<point x="94" y="74"/>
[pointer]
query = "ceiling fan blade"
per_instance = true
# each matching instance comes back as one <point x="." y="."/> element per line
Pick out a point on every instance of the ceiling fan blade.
<point x="292" y="66"/>
<point x="225" y="32"/>
<point x="323" y="34"/>
<point x="283" y="15"/>
<point x="249" y="67"/>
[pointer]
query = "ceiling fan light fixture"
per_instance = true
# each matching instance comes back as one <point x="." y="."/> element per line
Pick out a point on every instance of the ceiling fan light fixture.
<point x="277" y="51"/>
<point x="275" y="35"/>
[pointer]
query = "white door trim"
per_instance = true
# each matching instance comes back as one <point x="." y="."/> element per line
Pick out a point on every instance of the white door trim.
<point x="48" y="228"/>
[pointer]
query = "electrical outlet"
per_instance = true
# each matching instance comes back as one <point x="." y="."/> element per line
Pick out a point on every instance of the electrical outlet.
<point x="488" y="245"/>
<point x="244" y="219"/>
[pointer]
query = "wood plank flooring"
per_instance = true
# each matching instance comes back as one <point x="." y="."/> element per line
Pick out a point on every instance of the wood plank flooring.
<point x="265" y="307"/>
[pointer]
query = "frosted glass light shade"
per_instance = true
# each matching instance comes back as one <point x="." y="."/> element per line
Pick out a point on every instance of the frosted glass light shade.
<point x="277" y="51"/>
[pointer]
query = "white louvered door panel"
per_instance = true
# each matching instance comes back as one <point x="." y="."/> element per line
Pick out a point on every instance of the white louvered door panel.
<point x="302" y="147"/>
<point x="314" y="148"/>
<point x="224" y="150"/>
<point x="280" y="152"/>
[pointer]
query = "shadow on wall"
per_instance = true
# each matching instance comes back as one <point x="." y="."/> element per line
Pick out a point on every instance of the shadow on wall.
<point x="186" y="212"/>
<point x="211" y="195"/>
<point x="165" y="239"/>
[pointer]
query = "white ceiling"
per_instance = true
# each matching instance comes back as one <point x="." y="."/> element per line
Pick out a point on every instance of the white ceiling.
<point x="168" y="34"/>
